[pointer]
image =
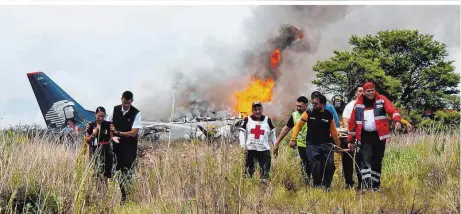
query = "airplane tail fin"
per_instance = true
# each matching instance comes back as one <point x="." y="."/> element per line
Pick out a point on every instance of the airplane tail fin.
<point x="55" y="104"/>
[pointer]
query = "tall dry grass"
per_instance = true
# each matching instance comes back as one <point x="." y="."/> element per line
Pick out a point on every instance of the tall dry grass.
<point x="44" y="175"/>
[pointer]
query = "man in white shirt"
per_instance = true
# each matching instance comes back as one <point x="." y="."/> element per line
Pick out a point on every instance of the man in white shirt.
<point x="256" y="131"/>
<point x="126" y="122"/>
<point x="348" y="158"/>
<point x="350" y="106"/>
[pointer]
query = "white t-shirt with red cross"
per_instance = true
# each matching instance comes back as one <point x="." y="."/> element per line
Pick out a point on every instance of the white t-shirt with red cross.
<point x="257" y="134"/>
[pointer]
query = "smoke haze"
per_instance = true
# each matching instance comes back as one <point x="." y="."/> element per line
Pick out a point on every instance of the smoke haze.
<point x="204" y="54"/>
<point x="325" y="28"/>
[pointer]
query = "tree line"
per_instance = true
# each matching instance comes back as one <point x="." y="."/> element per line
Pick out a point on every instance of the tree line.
<point x="408" y="67"/>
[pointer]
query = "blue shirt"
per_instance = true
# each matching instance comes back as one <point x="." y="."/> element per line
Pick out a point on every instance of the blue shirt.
<point x="332" y="110"/>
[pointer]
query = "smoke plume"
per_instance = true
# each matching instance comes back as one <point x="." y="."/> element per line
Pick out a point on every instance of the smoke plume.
<point x="209" y="89"/>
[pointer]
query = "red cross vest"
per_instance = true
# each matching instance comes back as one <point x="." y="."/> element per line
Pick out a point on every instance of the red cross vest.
<point x="257" y="133"/>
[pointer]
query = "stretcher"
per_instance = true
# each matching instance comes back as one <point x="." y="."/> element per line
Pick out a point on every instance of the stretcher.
<point x="342" y="132"/>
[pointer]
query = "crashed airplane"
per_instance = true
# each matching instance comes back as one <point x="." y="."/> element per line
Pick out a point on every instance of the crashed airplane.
<point x="57" y="107"/>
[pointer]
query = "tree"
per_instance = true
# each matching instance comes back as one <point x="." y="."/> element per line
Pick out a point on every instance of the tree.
<point x="405" y="65"/>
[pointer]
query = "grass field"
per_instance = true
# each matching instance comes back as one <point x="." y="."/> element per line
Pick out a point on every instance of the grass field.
<point x="420" y="175"/>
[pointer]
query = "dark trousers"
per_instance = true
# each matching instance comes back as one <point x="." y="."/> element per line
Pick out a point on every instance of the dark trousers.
<point x="264" y="160"/>
<point x="348" y="164"/>
<point x="372" y="153"/>
<point x="305" y="167"/>
<point x="125" y="157"/>
<point x="348" y="167"/>
<point x="103" y="157"/>
<point x="322" y="164"/>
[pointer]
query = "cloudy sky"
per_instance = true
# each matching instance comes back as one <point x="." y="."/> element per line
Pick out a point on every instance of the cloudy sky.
<point x="97" y="52"/>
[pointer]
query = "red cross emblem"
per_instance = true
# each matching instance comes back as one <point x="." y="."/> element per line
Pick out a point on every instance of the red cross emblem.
<point x="257" y="132"/>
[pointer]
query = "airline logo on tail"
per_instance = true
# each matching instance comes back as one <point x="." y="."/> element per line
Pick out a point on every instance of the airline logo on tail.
<point x="60" y="112"/>
<point x="55" y="104"/>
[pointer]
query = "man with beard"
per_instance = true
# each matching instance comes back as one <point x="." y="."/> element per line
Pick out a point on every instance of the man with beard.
<point x="301" y="106"/>
<point x="369" y="125"/>
<point x="332" y="110"/>
<point x="320" y="129"/>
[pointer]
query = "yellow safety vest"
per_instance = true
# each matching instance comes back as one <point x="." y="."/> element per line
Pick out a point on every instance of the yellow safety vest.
<point x="301" y="139"/>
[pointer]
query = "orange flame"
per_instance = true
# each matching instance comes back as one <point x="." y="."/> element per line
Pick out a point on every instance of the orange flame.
<point x="258" y="90"/>
<point x="275" y="58"/>
<point x="261" y="90"/>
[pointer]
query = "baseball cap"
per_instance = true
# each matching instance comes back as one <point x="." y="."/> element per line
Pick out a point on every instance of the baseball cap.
<point x="256" y="104"/>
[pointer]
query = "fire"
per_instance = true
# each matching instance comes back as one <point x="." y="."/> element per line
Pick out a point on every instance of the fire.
<point x="275" y="58"/>
<point x="260" y="90"/>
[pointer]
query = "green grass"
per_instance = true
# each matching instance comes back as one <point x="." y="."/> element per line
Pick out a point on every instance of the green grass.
<point x="420" y="173"/>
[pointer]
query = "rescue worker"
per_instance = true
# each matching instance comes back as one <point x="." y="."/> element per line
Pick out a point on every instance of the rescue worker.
<point x="98" y="137"/>
<point x="320" y="129"/>
<point x="301" y="106"/>
<point x="256" y="131"/>
<point x="126" y="122"/>
<point x="351" y="159"/>
<point x="369" y="125"/>
<point x="331" y="109"/>
<point x="339" y="104"/>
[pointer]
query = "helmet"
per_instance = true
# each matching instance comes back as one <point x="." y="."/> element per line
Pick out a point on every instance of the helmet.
<point x="338" y="103"/>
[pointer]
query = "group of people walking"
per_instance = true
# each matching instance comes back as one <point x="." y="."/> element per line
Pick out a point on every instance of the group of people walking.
<point x="113" y="141"/>
<point x="315" y="134"/>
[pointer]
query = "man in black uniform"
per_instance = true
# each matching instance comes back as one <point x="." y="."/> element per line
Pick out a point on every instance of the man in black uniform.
<point x="126" y="121"/>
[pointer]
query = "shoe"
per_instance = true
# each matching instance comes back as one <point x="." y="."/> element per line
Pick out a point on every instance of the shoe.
<point x="263" y="181"/>
<point x="307" y="181"/>
<point x="349" y="186"/>
<point x="122" y="202"/>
